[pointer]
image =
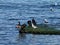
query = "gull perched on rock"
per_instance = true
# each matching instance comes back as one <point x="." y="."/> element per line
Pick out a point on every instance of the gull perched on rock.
<point x="34" y="23"/>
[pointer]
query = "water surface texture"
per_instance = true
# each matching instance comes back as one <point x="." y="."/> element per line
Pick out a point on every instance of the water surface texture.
<point x="11" y="13"/>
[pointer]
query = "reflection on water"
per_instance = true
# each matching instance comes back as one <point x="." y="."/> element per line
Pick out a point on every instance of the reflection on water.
<point x="22" y="35"/>
<point x="31" y="39"/>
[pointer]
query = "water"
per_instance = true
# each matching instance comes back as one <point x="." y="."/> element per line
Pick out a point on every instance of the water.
<point x="11" y="13"/>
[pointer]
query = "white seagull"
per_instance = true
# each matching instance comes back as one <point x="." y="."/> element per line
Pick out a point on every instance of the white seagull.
<point x="45" y="20"/>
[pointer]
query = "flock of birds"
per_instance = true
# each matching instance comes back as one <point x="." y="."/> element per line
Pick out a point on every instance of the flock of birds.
<point x="33" y="22"/>
<point x="30" y="23"/>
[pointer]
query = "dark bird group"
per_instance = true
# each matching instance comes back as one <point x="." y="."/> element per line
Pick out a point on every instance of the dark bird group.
<point x="30" y="23"/>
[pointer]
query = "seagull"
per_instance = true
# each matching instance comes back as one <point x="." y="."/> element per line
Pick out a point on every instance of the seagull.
<point x="45" y="20"/>
<point x="34" y="23"/>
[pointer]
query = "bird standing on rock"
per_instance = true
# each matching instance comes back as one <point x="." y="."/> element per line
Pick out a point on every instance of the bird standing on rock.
<point x="18" y="25"/>
<point x="34" y="23"/>
<point x="29" y="23"/>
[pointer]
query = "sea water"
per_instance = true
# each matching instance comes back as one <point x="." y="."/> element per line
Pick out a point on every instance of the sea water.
<point x="12" y="13"/>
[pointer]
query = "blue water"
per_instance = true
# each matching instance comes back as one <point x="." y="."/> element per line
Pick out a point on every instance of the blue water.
<point x="11" y="13"/>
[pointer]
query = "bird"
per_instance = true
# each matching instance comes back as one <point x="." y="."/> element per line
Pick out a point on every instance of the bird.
<point x="34" y="23"/>
<point x="21" y="26"/>
<point x="29" y="23"/>
<point x="45" y="20"/>
<point x="18" y="25"/>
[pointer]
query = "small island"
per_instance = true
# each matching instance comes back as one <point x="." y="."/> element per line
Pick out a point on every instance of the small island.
<point x="41" y="30"/>
<point x="33" y="28"/>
